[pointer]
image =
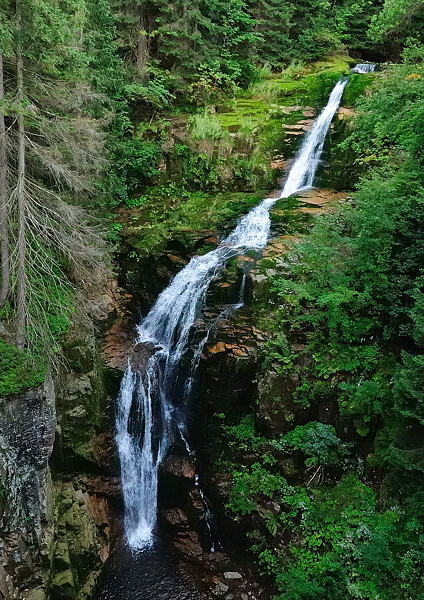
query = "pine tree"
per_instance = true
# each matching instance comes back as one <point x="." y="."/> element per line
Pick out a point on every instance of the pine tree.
<point x="5" y="48"/>
<point x="137" y="31"/>
<point x="58" y="150"/>
<point x="272" y="24"/>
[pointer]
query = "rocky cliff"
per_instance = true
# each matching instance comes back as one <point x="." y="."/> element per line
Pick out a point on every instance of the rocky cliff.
<point x="59" y="486"/>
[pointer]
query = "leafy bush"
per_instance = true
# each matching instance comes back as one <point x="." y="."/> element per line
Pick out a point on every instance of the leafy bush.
<point x="317" y="441"/>
<point x="136" y="163"/>
<point x="243" y="436"/>
<point x="154" y="93"/>
<point x="251" y="483"/>
<point x="206" y="126"/>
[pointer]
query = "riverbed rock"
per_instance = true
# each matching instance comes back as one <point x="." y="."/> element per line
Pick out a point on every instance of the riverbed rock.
<point x="220" y="589"/>
<point x="232" y="576"/>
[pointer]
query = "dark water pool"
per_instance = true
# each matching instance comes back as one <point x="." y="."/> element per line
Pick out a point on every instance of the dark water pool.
<point x="152" y="574"/>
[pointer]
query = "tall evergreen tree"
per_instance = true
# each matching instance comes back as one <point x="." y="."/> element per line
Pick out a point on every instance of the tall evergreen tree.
<point x="5" y="49"/>
<point x="55" y="153"/>
<point x="272" y="24"/>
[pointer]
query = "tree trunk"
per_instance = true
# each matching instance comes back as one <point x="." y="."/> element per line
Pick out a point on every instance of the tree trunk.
<point x="4" y="199"/>
<point x="21" y="318"/>
<point x="142" y="48"/>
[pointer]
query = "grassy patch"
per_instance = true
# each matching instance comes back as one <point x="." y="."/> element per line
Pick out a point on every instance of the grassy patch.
<point x="19" y="370"/>
<point x="309" y="85"/>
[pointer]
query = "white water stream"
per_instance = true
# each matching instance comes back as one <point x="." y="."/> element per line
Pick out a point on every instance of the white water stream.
<point x="151" y="405"/>
<point x="364" y="68"/>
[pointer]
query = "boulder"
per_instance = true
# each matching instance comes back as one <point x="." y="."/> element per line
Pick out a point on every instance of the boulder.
<point x="232" y="575"/>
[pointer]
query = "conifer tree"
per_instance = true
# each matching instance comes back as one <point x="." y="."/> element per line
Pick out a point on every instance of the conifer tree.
<point x="5" y="48"/>
<point x="272" y="24"/>
<point x="58" y="150"/>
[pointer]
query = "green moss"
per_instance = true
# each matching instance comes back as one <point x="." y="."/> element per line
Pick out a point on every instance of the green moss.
<point x="265" y="103"/>
<point x="149" y="228"/>
<point x="356" y="87"/>
<point x="286" y="218"/>
<point x="19" y="370"/>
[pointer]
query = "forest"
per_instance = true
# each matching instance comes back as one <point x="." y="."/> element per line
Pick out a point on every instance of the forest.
<point x="134" y="136"/>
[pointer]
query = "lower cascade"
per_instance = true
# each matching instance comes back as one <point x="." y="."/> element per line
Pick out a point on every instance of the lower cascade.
<point x="153" y="400"/>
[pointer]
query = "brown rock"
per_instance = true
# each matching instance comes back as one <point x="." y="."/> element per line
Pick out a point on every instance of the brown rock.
<point x="117" y="345"/>
<point x="176" y="517"/>
<point x="320" y="200"/>
<point x="217" y="348"/>
<point x="189" y="545"/>
<point x="293" y="127"/>
<point x="213" y="239"/>
<point x="290" y="109"/>
<point x="240" y="351"/>
<point x="221" y="347"/>
<point x="345" y="113"/>
<point x="180" y="466"/>
<point x="279" y="164"/>
<point x="174" y="259"/>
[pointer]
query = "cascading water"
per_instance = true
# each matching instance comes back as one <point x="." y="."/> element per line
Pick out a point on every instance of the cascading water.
<point x="364" y="68"/>
<point x="151" y="404"/>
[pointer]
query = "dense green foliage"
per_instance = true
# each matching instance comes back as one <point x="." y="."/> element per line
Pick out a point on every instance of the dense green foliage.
<point x="340" y="508"/>
<point x="167" y="115"/>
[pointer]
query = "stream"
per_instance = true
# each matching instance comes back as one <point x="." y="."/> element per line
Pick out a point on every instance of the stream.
<point x="154" y="399"/>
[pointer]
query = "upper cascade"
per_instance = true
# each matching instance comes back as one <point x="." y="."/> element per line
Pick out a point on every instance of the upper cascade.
<point x="302" y="174"/>
<point x="364" y="68"/>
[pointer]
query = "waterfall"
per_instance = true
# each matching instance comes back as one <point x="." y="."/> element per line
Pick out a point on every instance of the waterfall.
<point x="302" y="173"/>
<point x="151" y="407"/>
<point x="364" y="68"/>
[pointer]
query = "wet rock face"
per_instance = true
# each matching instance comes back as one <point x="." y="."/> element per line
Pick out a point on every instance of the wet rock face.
<point x="277" y="412"/>
<point x="140" y="355"/>
<point x="145" y="277"/>
<point x="82" y="401"/>
<point x="27" y="432"/>
<point x="83" y="532"/>
<point x="179" y="466"/>
<point x="55" y="532"/>
<point x="230" y="357"/>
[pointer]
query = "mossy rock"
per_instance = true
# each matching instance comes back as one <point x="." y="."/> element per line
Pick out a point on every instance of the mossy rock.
<point x="62" y="585"/>
<point x="356" y="87"/>
<point x="19" y="370"/>
<point x="76" y="553"/>
<point x="150" y="233"/>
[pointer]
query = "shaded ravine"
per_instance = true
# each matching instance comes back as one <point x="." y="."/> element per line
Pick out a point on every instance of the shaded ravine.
<point x="152" y="404"/>
<point x="151" y="407"/>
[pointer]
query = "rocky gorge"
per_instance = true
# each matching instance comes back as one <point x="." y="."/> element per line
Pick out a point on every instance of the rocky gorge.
<point x="62" y="510"/>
